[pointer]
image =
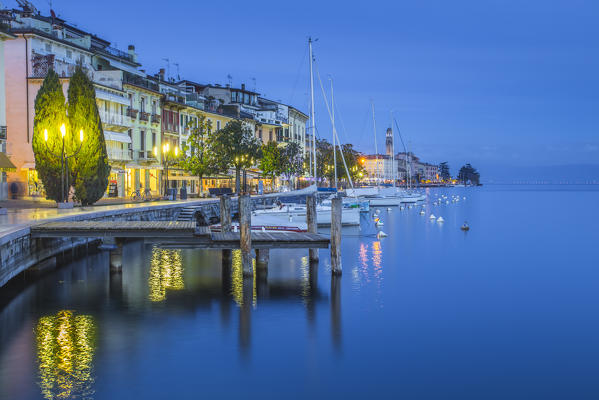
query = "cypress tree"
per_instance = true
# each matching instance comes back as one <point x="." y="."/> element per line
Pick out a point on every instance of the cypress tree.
<point x="90" y="168"/>
<point x="50" y="114"/>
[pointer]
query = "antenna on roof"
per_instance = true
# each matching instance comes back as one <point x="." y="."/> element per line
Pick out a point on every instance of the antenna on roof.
<point x="27" y="6"/>
<point x="168" y="68"/>
<point x="178" y="76"/>
<point x="230" y="79"/>
<point x="254" y="80"/>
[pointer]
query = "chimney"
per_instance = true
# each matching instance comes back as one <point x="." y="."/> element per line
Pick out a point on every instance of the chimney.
<point x="161" y="73"/>
<point x="243" y="86"/>
<point x="132" y="53"/>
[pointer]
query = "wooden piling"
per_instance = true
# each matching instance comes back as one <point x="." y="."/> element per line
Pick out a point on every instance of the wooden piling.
<point x="262" y="258"/>
<point x="225" y="213"/>
<point x="336" y="205"/>
<point x="245" y="233"/>
<point x="311" y="221"/>
<point x="225" y="220"/>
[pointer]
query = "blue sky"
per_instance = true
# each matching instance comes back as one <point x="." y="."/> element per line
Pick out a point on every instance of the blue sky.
<point x="488" y="82"/>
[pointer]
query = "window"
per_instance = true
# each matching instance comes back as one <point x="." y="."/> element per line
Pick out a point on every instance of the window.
<point x="260" y="133"/>
<point x="154" y="107"/>
<point x="153" y="139"/>
<point x="143" y="141"/>
<point x="48" y="47"/>
<point x="270" y="135"/>
<point x="142" y="105"/>
<point x="69" y="54"/>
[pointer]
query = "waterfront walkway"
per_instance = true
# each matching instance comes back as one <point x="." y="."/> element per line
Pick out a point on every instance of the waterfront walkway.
<point x="17" y="218"/>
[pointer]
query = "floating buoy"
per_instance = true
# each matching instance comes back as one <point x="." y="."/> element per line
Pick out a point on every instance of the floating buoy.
<point x="432" y="216"/>
<point x="447" y="202"/>
<point x="377" y="211"/>
<point x="464" y="198"/>
<point x="401" y="208"/>
<point x="379" y="223"/>
<point x="381" y="234"/>
<point x="388" y="208"/>
<point x="465" y="227"/>
<point x="440" y="219"/>
<point x="422" y="212"/>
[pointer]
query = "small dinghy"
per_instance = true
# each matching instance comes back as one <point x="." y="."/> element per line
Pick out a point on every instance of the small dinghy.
<point x="465" y="227"/>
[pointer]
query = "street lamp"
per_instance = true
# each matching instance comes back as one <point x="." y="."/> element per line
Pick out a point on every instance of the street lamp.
<point x="64" y="157"/>
<point x="167" y="160"/>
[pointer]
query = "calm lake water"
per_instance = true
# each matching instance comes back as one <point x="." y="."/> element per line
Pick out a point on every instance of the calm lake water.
<point x="506" y="310"/>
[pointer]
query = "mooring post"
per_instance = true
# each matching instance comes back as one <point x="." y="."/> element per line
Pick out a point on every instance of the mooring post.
<point x="245" y="235"/>
<point x="336" y="236"/>
<point x="116" y="256"/>
<point x="262" y="259"/>
<point x="225" y="220"/>
<point x="311" y="221"/>
<point x="225" y="213"/>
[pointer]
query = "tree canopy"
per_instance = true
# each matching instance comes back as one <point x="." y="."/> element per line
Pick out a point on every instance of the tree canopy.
<point x="200" y="159"/>
<point x="469" y="175"/>
<point x="291" y="161"/>
<point x="90" y="169"/>
<point x="50" y="114"/>
<point x="444" y="171"/>
<point x="236" y="147"/>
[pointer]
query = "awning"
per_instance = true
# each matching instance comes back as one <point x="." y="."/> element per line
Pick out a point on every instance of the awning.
<point x="117" y="136"/>
<point x="104" y="95"/>
<point x="5" y="164"/>
<point x="28" y="165"/>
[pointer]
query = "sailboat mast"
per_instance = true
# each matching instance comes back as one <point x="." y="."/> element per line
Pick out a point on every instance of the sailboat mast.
<point x="376" y="149"/>
<point x="312" y="112"/>
<point x="393" y="151"/>
<point x="334" y="132"/>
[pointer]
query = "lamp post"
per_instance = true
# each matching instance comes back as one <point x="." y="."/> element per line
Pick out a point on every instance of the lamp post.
<point x="167" y="159"/>
<point x="64" y="157"/>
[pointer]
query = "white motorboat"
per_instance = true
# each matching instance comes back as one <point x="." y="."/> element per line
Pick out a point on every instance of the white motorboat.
<point x="290" y="213"/>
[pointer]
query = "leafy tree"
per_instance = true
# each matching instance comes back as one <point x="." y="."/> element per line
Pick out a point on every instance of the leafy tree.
<point x="50" y="114"/>
<point x="201" y="159"/>
<point x="324" y="160"/>
<point x="292" y="161"/>
<point x="444" y="171"/>
<point x="236" y="147"/>
<point x="469" y="174"/>
<point x="352" y="159"/>
<point x="89" y="169"/>
<point x="270" y="163"/>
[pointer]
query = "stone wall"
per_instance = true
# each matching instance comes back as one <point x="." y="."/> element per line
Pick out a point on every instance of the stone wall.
<point x="18" y="251"/>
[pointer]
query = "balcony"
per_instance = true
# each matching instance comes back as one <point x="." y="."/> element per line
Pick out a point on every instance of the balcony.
<point x="155" y="118"/>
<point x="146" y="156"/>
<point x="119" y="154"/>
<point x="2" y="133"/>
<point x="132" y="112"/>
<point x="112" y="118"/>
<point x="144" y="116"/>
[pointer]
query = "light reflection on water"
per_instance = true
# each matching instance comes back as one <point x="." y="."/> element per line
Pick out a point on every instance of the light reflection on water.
<point x="166" y="272"/>
<point x="65" y="349"/>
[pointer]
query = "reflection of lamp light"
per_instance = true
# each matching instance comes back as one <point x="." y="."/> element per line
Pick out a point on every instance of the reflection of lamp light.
<point x="176" y="151"/>
<point x="65" y="349"/>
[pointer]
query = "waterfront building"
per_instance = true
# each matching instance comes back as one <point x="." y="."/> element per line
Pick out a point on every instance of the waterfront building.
<point x="145" y="114"/>
<point x="378" y="168"/>
<point x="5" y="164"/>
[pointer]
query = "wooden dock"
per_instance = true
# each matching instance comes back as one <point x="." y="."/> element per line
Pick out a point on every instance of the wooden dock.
<point x="177" y="234"/>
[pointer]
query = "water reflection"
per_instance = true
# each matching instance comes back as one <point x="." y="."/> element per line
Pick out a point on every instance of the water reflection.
<point x="166" y="272"/>
<point x="65" y="348"/>
<point x="242" y="287"/>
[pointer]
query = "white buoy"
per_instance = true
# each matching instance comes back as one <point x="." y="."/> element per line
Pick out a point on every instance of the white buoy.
<point x="377" y="211"/>
<point x="432" y="216"/>
<point x="379" y="223"/>
<point x="447" y="202"/>
<point x="381" y="234"/>
<point x="401" y="208"/>
<point x="464" y="198"/>
<point x="422" y="212"/>
<point x="440" y="219"/>
<point x="388" y="208"/>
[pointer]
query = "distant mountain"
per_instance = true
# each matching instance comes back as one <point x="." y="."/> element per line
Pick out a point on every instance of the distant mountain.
<point x="575" y="173"/>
